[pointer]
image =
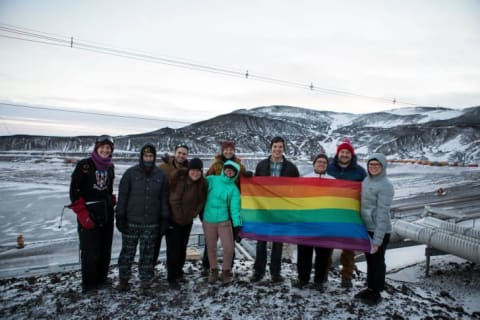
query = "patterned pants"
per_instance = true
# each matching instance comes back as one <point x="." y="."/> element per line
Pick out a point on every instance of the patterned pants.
<point x="147" y="235"/>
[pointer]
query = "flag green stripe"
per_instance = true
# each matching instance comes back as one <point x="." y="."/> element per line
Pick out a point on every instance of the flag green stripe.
<point x="316" y="215"/>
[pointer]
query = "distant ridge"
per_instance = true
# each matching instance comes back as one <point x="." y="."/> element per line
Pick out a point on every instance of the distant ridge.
<point x="413" y="133"/>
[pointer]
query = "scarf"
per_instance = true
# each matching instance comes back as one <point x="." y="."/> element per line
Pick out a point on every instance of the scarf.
<point x="101" y="164"/>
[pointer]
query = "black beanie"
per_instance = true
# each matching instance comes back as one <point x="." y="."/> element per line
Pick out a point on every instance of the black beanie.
<point x="195" y="163"/>
<point x="320" y="155"/>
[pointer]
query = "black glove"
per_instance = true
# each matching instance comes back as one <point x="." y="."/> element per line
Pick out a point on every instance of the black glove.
<point x="248" y="174"/>
<point x="121" y="224"/>
<point x="236" y="231"/>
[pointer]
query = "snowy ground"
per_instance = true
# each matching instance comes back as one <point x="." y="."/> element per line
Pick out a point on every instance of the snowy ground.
<point x="451" y="292"/>
<point x="35" y="284"/>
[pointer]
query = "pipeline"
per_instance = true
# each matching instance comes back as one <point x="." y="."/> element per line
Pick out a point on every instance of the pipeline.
<point x="452" y="227"/>
<point x="463" y="246"/>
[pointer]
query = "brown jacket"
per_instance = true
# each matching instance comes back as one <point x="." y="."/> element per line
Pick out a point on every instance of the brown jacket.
<point x="187" y="197"/>
<point x="171" y="167"/>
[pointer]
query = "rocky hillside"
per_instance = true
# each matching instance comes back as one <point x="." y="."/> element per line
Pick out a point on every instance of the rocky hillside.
<point x="427" y="133"/>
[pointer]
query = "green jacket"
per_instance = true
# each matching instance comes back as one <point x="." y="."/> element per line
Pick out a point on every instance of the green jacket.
<point x="223" y="194"/>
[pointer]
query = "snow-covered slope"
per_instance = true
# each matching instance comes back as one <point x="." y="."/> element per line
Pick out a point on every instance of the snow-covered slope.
<point x="437" y="134"/>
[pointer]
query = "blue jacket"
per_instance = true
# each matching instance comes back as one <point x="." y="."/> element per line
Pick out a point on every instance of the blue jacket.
<point x="353" y="172"/>
<point x="223" y="194"/>
<point x="377" y="196"/>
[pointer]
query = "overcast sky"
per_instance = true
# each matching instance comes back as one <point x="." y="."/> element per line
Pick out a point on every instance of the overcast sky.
<point x="419" y="52"/>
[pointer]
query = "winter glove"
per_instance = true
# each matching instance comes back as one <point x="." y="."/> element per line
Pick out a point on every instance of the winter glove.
<point x="121" y="224"/>
<point x="236" y="232"/>
<point x="248" y="174"/>
<point x="114" y="200"/>
<point x="83" y="216"/>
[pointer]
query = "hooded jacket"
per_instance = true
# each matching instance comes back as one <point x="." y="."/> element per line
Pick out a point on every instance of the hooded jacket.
<point x="377" y="196"/>
<point x="143" y="195"/>
<point x="223" y="194"/>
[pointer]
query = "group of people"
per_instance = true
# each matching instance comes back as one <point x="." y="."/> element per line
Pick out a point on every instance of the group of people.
<point x="156" y="201"/>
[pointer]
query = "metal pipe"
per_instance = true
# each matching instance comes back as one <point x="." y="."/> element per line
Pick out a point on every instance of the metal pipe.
<point x="452" y="227"/>
<point x="467" y="248"/>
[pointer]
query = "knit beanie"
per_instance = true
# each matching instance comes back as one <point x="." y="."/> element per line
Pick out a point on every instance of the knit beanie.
<point x="346" y="144"/>
<point x="320" y="155"/>
<point x="195" y="163"/>
<point x="228" y="144"/>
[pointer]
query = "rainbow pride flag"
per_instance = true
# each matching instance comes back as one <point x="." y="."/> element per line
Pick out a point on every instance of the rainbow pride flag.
<point x="309" y="211"/>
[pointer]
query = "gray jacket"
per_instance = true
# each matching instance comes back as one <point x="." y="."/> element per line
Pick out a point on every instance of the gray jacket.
<point x="377" y="196"/>
<point x="142" y="197"/>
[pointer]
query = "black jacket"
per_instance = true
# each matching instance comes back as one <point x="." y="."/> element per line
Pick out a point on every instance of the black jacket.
<point x="143" y="198"/>
<point x="288" y="168"/>
<point x="93" y="187"/>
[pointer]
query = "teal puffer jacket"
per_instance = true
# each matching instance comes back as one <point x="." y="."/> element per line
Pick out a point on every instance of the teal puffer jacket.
<point x="222" y="194"/>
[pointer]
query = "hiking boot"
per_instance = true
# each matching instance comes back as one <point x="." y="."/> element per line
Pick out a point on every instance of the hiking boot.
<point x="346" y="282"/>
<point x="276" y="278"/>
<point x="300" y="284"/>
<point x="106" y="283"/>
<point x="213" y="276"/>
<point x="145" y="287"/>
<point x="226" y="276"/>
<point x="123" y="285"/>
<point x="321" y="286"/>
<point x="362" y="293"/>
<point x="89" y="290"/>
<point x="371" y="298"/>
<point x="256" y="277"/>
<point x="173" y="284"/>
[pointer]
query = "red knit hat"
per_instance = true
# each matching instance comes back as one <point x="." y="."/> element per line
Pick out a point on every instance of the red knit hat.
<point x="346" y="144"/>
<point x="228" y="144"/>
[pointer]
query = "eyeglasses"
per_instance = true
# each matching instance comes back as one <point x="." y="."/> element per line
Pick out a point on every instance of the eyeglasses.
<point x="181" y="146"/>
<point x="104" y="139"/>
<point x="374" y="164"/>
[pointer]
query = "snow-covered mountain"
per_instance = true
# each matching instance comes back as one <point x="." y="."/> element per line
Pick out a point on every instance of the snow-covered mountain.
<point x="420" y="132"/>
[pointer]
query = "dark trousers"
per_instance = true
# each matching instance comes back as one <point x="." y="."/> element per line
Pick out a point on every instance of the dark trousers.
<point x="146" y="235"/>
<point x="304" y="263"/>
<point x="95" y="254"/>
<point x="376" y="267"/>
<point x="156" y="250"/>
<point x="261" y="258"/>
<point x="177" y="240"/>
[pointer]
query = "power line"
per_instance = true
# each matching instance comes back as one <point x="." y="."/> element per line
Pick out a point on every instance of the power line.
<point x="93" y="113"/>
<point x="64" y="41"/>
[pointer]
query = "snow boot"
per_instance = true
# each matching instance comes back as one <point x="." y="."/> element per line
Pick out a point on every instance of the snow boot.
<point x="346" y="282"/>
<point x="226" y="276"/>
<point x="123" y="285"/>
<point x="213" y="276"/>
